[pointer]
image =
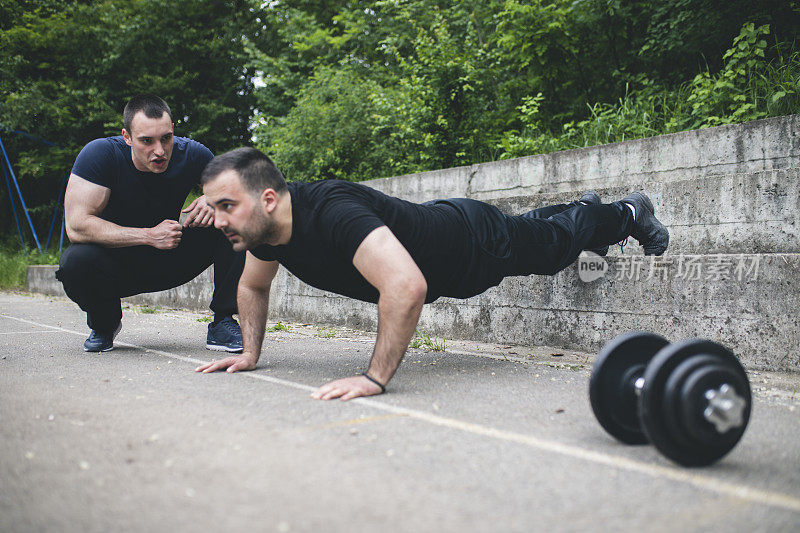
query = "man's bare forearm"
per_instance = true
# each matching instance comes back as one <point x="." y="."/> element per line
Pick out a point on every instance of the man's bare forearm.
<point x="253" y="307"/>
<point x="397" y="321"/>
<point x="95" y="230"/>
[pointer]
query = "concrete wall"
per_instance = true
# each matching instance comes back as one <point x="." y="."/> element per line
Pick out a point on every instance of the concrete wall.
<point x="195" y="295"/>
<point x="732" y="213"/>
<point x="729" y="195"/>
<point x="749" y="302"/>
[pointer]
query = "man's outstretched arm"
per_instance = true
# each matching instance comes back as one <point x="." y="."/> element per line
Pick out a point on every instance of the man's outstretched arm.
<point x="387" y="265"/>
<point x="253" y="303"/>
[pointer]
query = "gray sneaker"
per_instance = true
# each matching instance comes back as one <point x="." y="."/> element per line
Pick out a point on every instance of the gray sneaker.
<point x="592" y="198"/>
<point x="651" y="234"/>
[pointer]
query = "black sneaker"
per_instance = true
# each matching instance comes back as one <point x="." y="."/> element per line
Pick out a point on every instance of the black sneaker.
<point x="101" y="342"/>
<point x="224" y="336"/>
<point x="592" y="198"/>
<point x="651" y="234"/>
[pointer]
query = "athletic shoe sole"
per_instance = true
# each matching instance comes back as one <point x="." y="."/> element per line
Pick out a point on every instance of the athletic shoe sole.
<point x="110" y="348"/>
<point x="220" y="348"/>
<point x="657" y="248"/>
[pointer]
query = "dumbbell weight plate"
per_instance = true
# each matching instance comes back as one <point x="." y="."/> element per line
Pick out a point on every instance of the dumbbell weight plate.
<point x="685" y="403"/>
<point x="673" y="401"/>
<point x="611" y="387"/>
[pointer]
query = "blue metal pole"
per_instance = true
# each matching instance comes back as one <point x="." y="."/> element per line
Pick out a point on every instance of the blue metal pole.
<point x="52" y="226"/>
<point x="14" y="208"/>
<point x="21" y="199"/>
<point x="61" y="240"/>
<point x="31" y="137"/>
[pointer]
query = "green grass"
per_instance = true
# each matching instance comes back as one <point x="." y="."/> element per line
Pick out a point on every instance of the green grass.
<point x="149" y="310"/>
<point x="326" y="333"/>
<point x="14" y="266"/>
<point x="424" y="341"/>
<point x="278" y="327"/>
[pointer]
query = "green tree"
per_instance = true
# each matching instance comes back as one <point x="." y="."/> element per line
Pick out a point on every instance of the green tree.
<point x="433" y="60"/>
<point x="68" y="67"/>
<point x="338" y="88"/>
<point x="333" y="130"/>
<point x="445" y="113"/>
<point x="749" y="86"/>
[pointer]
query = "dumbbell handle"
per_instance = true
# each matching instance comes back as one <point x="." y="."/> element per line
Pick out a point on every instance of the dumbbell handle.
<point x="725" y="409"/>
<point x="638" y="385"/>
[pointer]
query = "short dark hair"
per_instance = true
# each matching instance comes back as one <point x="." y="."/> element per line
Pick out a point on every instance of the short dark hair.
<point x="256" y="170"/>
<point x="150" y="104"/>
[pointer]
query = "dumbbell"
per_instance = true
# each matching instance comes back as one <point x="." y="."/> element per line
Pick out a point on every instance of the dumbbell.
<point x="690" y="399"/>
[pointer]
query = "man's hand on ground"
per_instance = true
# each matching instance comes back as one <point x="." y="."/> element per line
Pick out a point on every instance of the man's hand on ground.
<point x="347" y="389"/>
<point x="233" y="364"/>
<point x="166" y="235"/>
<point x="201" y="215"/>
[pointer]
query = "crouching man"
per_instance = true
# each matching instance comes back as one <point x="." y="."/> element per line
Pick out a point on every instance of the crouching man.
<point x="122" y="205"/>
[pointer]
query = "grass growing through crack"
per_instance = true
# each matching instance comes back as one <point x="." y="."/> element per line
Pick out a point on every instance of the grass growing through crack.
<point x="326" y="333"/>
<point x="424" y="341"/>
<point x="149" y="310"/>
<point x="278" y="327"/>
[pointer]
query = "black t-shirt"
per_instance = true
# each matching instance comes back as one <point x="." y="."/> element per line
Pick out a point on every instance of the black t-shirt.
<point x="331" y="218"/>
<point x="141" y="199"/>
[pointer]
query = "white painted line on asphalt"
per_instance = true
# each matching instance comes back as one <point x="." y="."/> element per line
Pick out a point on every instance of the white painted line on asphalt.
<point x="183" y="358"/>
<point x="773" y="499"/>
<point x="27" y="332"/>
<point x="689" y="477"/>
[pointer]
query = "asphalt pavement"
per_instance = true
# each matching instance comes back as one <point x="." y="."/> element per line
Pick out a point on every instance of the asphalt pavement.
<point x="475" y="438"/>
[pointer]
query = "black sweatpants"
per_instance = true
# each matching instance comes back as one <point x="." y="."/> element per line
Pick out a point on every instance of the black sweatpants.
<point x="96" y="277"/>
<point x="543" y="241"/>
<point x="554" y="236"/>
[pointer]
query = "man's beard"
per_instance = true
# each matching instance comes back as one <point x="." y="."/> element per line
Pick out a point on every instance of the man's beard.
<point x="257" y="231"/>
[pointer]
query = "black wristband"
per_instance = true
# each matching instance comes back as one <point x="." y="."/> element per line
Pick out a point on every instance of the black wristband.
<point x="375" y="381"/>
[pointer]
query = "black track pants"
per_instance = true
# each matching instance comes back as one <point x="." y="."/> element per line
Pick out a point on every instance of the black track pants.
<point x="96" y="278"/>
<point x="543" y="241"/>
<point x="548" y="240"/>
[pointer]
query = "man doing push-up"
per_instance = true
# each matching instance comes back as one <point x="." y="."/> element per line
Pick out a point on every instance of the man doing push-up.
<point x="353" y="240"/>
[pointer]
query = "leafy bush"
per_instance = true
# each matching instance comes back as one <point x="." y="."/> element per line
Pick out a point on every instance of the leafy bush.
<point x="728" y="97"/>
<point x="443" y="113"/>
<point x="357" y="90"/>
<point x="332" y="131"/>
<point x="748" y="87"/>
